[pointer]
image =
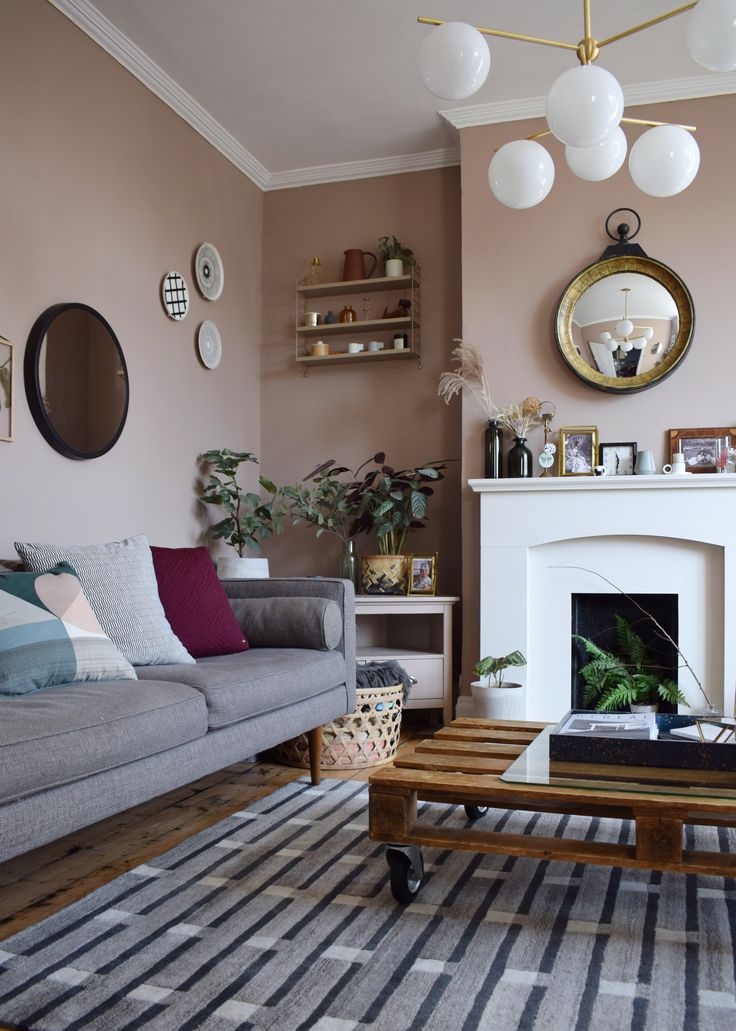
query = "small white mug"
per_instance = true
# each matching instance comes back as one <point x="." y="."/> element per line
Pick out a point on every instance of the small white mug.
<point x="311" y="318"/>
<point x="374" y="345"/>
<point x="355" y="348"/>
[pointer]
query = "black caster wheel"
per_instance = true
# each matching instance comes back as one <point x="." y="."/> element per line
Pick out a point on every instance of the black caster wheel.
<point x="475" y="812"/>
<point x="407" y="872"/>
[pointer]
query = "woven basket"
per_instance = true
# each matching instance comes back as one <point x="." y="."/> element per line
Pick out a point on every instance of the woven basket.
<point x="384" y="574"/>
<point x="367" y="737"/>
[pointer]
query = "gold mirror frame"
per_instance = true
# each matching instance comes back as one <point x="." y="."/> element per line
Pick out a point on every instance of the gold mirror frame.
<point x="601" y="270"/>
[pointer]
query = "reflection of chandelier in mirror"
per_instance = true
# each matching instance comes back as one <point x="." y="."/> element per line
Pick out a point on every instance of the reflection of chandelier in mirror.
<point x="584" y="105"/>
<point x="627" y="334"/>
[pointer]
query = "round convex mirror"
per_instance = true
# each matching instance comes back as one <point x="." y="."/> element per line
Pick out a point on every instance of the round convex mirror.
<point x="76" y="380"/>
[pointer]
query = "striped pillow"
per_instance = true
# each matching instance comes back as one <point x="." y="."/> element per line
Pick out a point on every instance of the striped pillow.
<point x="49" y="634"/>
<point x="120" y="582"/>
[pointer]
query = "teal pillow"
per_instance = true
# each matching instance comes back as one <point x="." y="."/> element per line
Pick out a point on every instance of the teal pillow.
<point x="49" y="634"/>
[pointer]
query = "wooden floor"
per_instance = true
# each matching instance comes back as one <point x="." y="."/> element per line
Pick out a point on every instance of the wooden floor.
<point x="39" y="883"/>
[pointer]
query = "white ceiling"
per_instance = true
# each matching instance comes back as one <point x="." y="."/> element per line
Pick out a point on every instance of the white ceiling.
<point x="299" y="91"/>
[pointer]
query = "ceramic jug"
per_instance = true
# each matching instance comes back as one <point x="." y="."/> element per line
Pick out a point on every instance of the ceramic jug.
<point x="355" y="264"/>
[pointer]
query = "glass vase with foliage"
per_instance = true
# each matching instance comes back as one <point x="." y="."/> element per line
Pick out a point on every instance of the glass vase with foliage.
<point x="615" y="682"/>
<point x="392" y="502"/>
<point x="251" y="518"/>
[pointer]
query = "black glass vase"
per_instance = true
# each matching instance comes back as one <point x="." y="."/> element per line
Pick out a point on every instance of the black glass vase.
<point x="494" y="454"/>
<point x="519" y="459"/>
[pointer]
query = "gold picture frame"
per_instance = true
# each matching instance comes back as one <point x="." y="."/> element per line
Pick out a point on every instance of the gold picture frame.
<point x="577" y="448"/>
<point x="6" y="389"/>
<point x="422" y="573"/>
<point x="702" y="446"/>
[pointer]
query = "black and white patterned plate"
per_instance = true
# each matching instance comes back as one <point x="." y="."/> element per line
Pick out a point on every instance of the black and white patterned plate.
<point x="175" y="295"/>
<point x="209" y="271"/>
<point x="209" y="344"/>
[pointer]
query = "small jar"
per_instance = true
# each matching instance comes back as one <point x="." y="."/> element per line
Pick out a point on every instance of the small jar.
<point x="347" y="314"/>
<point x="399" y="342"/>
<point x="319" y="349"/>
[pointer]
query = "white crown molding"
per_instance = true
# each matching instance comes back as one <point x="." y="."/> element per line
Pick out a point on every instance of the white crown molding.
<point x="130" y="56"/>
<point x="692" y="88"/>
<point x="367" y="169"/>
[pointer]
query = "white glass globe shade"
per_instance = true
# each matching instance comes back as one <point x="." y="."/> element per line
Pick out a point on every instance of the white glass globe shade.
<point x="521" y="174"/>
<point x="454" y="61"/>
<point x="626" y="346"/>
<point x="584" y="106"/>
<point x="664" y="160"/>
<point x="600" y="161"/>
<point x="648" y="333"/>
<point x="605" y="337"/>
<point x="624" y="328"/>
<point x="639" y="343"/>
<point x="711" y="34"/>
<point x="613" y="345"/>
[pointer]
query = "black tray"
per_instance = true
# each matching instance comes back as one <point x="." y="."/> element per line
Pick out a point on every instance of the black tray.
<point x="666" y="752"/>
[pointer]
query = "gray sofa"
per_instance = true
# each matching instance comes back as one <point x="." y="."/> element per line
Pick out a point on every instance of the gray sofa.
<point x="75" y="754"/>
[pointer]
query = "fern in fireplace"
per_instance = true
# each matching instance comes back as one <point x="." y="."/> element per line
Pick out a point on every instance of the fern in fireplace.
<point x="614" y="682"/>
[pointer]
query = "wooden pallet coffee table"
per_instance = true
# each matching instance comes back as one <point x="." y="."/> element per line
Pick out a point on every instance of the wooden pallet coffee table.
<point x="462" y="764"/>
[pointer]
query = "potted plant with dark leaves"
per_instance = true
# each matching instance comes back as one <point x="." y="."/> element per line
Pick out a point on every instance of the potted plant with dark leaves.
<point x="631" y="680"/>
<point x="250" y="518"/>
<point x="395" y="255"/>
<point x="391" y="502"/>
<point x="493" y="697"/>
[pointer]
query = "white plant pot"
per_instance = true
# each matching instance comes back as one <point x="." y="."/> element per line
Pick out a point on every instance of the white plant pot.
<point x="242" y="568"/>
<point x="394" y="267"/>
<point x="498" y="703"/>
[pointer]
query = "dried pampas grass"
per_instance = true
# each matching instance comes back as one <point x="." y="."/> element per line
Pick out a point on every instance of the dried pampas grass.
<point x="469" y="375"/>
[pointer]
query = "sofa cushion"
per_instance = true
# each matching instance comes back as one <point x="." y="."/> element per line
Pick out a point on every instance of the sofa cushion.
<point x="119" y="580"/>
<point x="56" y="736"/>
<point x="195" y="602"/>
<point x="257" y="681"/>
<point x="49" y="634"/>
<point x="290" y="622"/>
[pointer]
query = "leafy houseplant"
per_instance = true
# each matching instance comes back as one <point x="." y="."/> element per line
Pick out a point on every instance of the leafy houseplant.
<point x="616" y="682"/>
<point x="250" y="518"/>
<point x="497" y="700"/>
<point x="392" y="250"/>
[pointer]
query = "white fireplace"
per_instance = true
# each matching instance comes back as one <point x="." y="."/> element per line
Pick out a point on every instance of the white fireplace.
<point x="542" y="540"/>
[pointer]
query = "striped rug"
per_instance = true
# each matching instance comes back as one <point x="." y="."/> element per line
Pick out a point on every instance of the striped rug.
<point x="281" y="917"/>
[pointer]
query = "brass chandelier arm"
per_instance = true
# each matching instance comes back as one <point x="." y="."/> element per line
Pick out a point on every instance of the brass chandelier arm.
<point x="646" y="25"/>
<point x="624" y="121"/>
<point x="508" y="35"/>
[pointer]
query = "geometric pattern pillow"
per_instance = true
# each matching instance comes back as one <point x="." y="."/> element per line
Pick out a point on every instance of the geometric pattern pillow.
<point x="49" y="634"/>
<point x="120" y="583"/>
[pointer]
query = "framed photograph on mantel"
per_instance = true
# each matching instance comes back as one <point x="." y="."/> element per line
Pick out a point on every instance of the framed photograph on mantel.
<point x="578" y="450"/>
<point x="619" y="458"/>
<point x="704" y="448"/>
<point x="6" y="389"/>
<point x="422" y="574"/>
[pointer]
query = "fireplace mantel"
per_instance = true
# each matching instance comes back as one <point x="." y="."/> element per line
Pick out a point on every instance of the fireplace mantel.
<point x="541" y="537"/>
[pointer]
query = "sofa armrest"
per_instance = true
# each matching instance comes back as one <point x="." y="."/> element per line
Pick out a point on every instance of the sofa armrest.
<point x="340" y="591"/>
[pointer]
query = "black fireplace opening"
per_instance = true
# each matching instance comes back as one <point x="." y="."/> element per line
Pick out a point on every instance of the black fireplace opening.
<point x="593" y="616"/>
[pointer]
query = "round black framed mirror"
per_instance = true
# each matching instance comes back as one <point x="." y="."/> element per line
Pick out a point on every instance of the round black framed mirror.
<point x="76" y="380"/>
<point x="625" y="322"/>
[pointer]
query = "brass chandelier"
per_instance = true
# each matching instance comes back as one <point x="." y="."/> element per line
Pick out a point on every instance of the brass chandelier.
<point x="584" y="107"/>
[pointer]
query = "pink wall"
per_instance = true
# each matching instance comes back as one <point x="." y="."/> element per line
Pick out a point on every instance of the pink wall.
<point x="516" y="264"/>
<point x="102" y="190"/>
<point x="350" y="413"/>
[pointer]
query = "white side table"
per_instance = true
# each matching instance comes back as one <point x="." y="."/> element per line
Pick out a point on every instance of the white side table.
<point x="415" y="631"/>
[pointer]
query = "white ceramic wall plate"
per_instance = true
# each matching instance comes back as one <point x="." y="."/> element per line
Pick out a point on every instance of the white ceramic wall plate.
<point x="209" y="344"/>
<point x="209" y="271"/>
<point x="175" y="295"/>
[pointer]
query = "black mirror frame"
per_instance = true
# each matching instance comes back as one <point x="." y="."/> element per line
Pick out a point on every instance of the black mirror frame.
<point x="608" y="267"/>
<point x="32" y="381"/>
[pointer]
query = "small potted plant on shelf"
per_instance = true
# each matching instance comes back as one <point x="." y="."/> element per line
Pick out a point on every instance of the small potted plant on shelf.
<point x="632" y="681"/>
<point x="391" y="502"/>
<point x="395" y="255"/>
<point x="250" y="519"/>
<point x="500" y="700"/>
<point x="330" y="506"/>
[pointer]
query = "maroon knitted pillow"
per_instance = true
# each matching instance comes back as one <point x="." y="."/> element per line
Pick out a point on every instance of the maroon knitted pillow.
<point x="195" y="602"/>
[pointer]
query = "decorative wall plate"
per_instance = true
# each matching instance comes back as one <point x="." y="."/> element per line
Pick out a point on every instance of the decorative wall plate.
<point x="209" y="271"/>
<point x="209" y="344"/>
<point x="175" y="295"/>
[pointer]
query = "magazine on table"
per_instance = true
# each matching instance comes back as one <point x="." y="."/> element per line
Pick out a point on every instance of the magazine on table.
<point x="628" y="726"/>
